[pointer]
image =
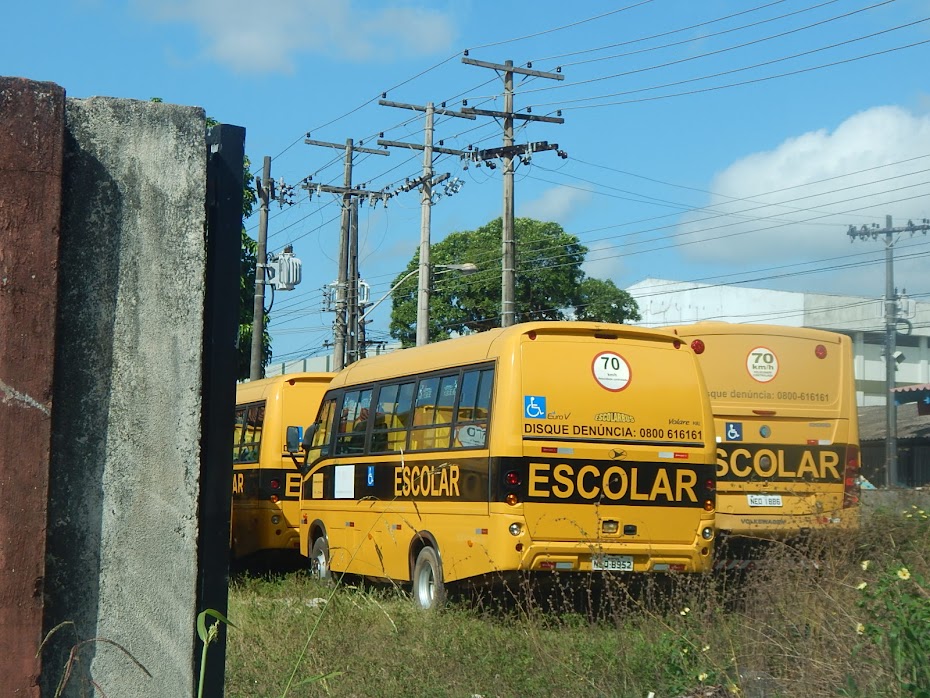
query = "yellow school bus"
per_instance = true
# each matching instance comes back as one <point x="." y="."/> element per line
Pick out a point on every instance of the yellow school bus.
<point x="559" y="446"/>
<point x="271" y="414"/>
<point x="784" y="402"/>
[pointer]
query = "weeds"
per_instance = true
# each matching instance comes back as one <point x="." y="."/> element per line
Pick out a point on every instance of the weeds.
<point x="798" y="624"/>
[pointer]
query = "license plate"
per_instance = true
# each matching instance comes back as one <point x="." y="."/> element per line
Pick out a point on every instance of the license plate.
<point x="612" y="563"/>
<point x="764" y="500"/>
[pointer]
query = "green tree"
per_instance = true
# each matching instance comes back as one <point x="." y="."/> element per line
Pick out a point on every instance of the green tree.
<point x="549" y="285"/>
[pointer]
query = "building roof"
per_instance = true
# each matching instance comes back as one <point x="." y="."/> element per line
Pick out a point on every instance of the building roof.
<point x="911" y="426"/>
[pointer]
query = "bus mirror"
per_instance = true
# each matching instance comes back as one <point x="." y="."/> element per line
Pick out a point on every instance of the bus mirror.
<point x="294" y="437"/>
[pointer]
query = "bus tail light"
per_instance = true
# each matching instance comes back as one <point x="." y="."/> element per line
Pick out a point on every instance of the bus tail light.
<point x="512" y="478"/>
<point x="697" y="346"/>
<point x="275" y="484"/>
<point x="710" y="485"/>
<point x="851" y="489"/>
<point x="820" y="351"/>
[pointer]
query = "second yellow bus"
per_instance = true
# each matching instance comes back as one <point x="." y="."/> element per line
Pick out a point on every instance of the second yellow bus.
<point x="784" y="402"/>
<point x="271" y="414"/>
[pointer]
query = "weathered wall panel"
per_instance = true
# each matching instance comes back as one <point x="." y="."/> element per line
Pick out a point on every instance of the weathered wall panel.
<point x="31" y="143"/>
<point x="124" y="494"/>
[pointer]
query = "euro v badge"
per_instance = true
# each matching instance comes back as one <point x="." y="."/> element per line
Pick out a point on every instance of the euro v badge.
<point x="734" y="431"/>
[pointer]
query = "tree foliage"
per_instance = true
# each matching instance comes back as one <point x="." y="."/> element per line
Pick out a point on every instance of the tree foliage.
<point x="549" y="283"/>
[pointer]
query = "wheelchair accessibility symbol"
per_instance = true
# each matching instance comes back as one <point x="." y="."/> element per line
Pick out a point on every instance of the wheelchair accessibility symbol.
<point x="734" y="431"/>
<point x="534" y="407"/>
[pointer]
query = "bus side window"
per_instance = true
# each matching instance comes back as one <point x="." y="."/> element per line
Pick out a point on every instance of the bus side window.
<point x="353" y="422"/>
<point x="238" y="433"/>
<point x="250" y="439"/>
<point x="389" y="432"/>
<point x="472" y="414"/>
<point x="433" y="417"/>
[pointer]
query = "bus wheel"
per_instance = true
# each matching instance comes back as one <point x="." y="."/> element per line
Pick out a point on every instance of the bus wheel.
<point x="319" y="560"/>
<point x="429" y="591"/>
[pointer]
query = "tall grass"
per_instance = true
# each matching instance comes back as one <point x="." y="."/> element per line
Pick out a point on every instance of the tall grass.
<point x="811" y="622"/>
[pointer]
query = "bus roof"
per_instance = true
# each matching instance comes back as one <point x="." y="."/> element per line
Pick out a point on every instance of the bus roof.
<point x="712" y="327"/>
<point x="480" y="347"/>
<point x="252" y="390"/>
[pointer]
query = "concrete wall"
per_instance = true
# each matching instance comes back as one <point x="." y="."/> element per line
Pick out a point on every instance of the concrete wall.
<point x="123" y="527"/>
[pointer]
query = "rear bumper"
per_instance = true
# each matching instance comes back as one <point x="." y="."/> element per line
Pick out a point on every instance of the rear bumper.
<point x="578" y="557"/>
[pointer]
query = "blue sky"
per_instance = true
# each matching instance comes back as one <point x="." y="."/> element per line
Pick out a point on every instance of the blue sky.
<point x="722" y="141"/>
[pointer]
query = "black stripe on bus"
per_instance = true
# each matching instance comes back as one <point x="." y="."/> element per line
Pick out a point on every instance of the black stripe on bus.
<point x="678" y="483"/>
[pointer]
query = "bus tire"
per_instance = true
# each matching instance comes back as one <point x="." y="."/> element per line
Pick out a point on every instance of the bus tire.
<point x="319" y="560"/>
<point x="429" y="590"/>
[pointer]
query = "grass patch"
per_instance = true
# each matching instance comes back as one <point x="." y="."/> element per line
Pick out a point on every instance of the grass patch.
<point x="801" y="624"/>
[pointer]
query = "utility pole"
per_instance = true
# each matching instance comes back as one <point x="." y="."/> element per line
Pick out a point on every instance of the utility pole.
<point x="352" y="334"/>
<point x="508" y="283"/>
<point x="347" y="192"/>
<point x="426" y="183"/>
<point x="891" y="323"/>
<point x="258" y="306"/>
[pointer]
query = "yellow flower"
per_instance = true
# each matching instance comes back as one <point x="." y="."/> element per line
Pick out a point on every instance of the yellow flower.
<point x="865" y="565"/>
<point x="860" y="628"/>
<point x="685" y="611"/>
<point x="705" y="648"/>
<point x="909" y="516"/>
<point x="861" y="586"/>
<point x="702" y="677"/>
<point x="904" y="573"/>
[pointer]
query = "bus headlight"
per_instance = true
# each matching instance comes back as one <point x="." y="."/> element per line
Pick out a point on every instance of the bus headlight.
<point x="515" y="529"/>
<point x="707" y="533"/>
<point x="275" y="519"/>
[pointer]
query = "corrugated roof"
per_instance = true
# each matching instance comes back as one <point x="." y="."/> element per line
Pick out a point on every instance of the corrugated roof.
<point x="910" y="424"/>
<point x="911" y="388"/>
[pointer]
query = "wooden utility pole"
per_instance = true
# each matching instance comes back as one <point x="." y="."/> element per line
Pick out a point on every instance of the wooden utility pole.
<point x="508" y="250"/>
<point x="258" y="306"/>
<point x="426" y="184"/>
<point x="340" y="326"/>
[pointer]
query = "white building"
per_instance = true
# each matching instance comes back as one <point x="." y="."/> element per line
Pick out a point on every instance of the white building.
<point x="663" y="303"/>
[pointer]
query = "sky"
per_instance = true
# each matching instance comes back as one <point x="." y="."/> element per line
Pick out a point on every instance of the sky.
<point x="723" y="141"/>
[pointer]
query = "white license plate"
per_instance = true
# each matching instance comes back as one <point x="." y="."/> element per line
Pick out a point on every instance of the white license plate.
<point x="612" y="563"/>
<point x="764" y="500"/>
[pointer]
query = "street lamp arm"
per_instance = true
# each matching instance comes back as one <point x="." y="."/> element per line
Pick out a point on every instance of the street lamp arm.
<point x="388" y="294"/>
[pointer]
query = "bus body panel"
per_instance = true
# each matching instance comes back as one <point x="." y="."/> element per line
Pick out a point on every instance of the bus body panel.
<point x="786" y="422"/>
<point x="266" y="481"/>
<point x="489" y="508"/>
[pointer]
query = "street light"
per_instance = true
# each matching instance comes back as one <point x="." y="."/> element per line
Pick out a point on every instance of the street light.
<point x="422" y="312"/>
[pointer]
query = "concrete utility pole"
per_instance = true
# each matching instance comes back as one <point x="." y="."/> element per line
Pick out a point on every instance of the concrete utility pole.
<point x="426" y="184"/>
<point x="891" y="324"/>
<point x="258" y="307"/>
<point x="340" y="326"/>
<point x="508" y="248"/>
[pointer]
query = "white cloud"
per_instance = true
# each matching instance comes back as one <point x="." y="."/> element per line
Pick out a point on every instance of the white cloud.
<point x="269" y="36"/>
<point x="557" y="204"/>
<point x="796" y="201"/>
